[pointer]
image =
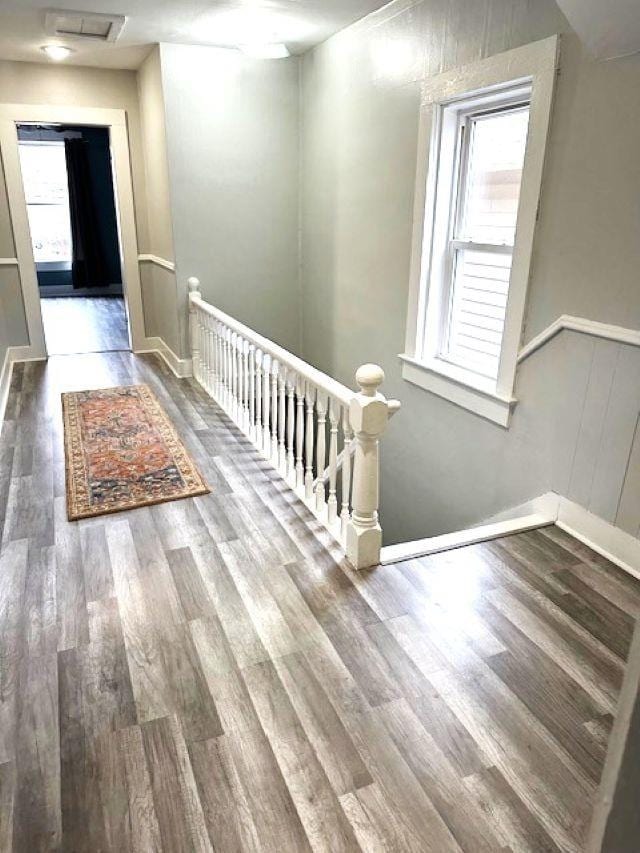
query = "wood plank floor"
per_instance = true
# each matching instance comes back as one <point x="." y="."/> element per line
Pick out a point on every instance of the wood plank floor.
<point x="79" y="324"/>
<point x="206" y="675"/>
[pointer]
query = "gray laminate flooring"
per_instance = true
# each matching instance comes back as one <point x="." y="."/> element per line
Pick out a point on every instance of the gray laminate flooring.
<point x="207" y="675"/>
<point x="79" y="324"/>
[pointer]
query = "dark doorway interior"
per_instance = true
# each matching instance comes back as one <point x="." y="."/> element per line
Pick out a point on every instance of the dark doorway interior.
<point x="68" y="183"/>
<point x="69" y="190"/>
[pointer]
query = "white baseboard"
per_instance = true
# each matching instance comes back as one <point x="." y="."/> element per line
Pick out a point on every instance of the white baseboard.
<point x="181" y="367"/>
<point x="12" y="355"/>
<point x="460" y="538"/>
<point x="546" y="504"/>
<point x="609" y="541"/>
<point x="550" y="508"/>
<point x="5" y="382"/>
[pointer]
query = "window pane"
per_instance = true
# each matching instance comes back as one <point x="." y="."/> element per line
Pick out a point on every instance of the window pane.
<point x="44" y="174"/>
<point x="477" y="310"/>
<point x="494" y="172"/>
<point x="50" y="232"/>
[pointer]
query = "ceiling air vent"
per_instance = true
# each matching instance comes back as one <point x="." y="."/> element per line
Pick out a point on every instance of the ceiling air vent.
<point x="71" y="23"/>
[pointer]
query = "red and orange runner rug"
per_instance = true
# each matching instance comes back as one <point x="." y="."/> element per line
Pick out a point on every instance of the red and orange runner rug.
<point x="121" y="452"/>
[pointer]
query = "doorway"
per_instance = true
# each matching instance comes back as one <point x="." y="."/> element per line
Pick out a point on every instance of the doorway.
<point x="69" y="194"/>
<point x="104" y="299"/>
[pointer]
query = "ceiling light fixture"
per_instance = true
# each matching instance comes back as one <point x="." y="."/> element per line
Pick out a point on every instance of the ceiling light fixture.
<point x="56" y="52"/>
<point x="275" y="50"/>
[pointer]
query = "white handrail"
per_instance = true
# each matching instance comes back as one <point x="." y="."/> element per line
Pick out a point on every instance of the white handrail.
<point x="337" y="390"/>
<point x="300" y="419"/>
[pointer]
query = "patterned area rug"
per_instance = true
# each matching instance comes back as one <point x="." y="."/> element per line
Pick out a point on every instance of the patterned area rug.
<point x="122" y="452"/>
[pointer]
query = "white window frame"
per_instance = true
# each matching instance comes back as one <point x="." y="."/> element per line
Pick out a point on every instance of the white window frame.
<point x="531" y="69"/>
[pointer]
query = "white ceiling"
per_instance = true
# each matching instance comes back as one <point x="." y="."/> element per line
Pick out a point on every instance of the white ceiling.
<point x="609" y="28"/>
<point x="298" y="23"/>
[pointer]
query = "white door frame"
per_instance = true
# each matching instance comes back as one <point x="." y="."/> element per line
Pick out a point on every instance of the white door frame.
<point x="116" y="121"/>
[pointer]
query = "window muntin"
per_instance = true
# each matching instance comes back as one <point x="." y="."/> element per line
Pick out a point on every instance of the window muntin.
<point x="44" y="173"/>
<point x="482" y="148"/>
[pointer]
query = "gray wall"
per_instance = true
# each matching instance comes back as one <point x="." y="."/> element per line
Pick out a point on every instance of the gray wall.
<point x="159" y="288"/>
<point x="232" y="140"/>
<point x="40" y="83"/>
<point x="444" y="467"/>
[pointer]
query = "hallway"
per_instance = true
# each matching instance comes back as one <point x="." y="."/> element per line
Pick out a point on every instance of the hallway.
<point x="204" y="674"/>
<point x="77" y="325"/>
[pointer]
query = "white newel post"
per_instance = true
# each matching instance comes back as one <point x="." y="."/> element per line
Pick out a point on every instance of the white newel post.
<point x="194" y="290"/>
<point x="368" y="416"/>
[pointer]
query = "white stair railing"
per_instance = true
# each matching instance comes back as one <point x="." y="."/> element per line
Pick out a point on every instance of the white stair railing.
<point x="301" y="420"/>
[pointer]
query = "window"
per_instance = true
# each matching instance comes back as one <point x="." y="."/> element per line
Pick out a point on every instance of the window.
<point x="479" y="174"/>
<point x="480" y="216"/>
<point x="44" y="172"/>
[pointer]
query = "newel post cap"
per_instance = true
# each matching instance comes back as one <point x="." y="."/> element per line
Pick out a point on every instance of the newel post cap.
<point x="193" y="284"/>
<point x="368" y="412"/>
<point x="369" y="377"/>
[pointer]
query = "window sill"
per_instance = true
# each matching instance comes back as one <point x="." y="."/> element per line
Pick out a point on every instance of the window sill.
<point x="460" y="387"/>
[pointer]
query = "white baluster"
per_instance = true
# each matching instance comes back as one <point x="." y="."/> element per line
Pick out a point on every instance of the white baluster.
<point x="211" y="343"/>
<point x="266" y="405"/>
<point x="226" y="395"/>
<point x="368" y="415"/>
<point x="234" y="376"/>
<point x="239" y="382"/>
<point x="282" y="453"/>
<point x="202" y="355"/>
<point x="196" y="333"/>
<point x="291" y="425"/>
<point x="218" y="340"/>
<point x="209" y="354"/>
<point x="251" y="367"/>
<point x="242" y="385"/>
<point x="223" y="357"/>
<point x="218" y="356"/>
<point x="194" y="290"/>
<point x="230" y="372"/>
<point x="345" y="512"/>
<point x="275" y="367"/>
<point x="245" y="387"/>
<point x="332" y="503"/>
<point x="299" y="432"/>
<point x="321" y="410"/>
<point x="308" y="442"/>
<point x="202" y="346"/>
<point x="259" y="371"/>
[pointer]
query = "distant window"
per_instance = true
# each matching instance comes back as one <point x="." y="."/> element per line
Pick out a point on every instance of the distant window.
<point x="479" y="221"/>
<point x="44" y="174"/>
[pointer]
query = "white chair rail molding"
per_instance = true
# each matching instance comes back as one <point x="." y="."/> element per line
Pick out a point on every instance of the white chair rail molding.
<point x="481" y="147"/>
<point x="321" y="436"/>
